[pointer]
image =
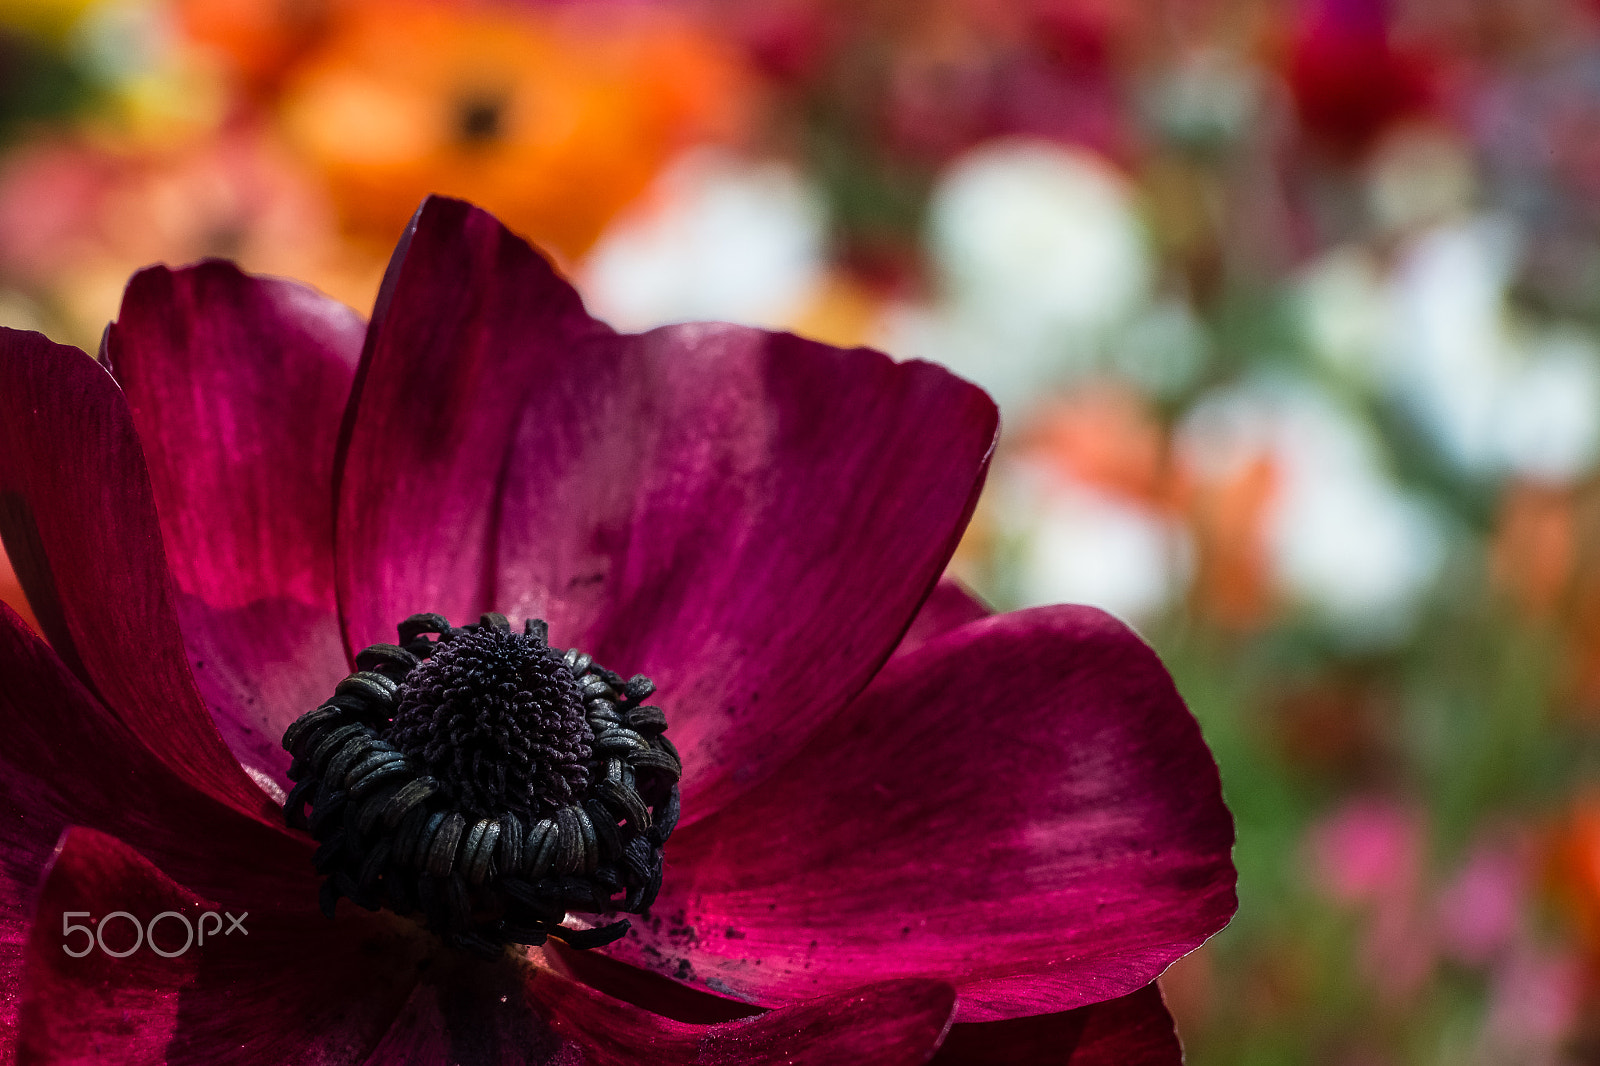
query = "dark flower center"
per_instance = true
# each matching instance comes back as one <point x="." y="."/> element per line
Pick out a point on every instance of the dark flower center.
<point x="488" y="784"/>
<point x="479" y="119"/>
<point x="497" y="719"/>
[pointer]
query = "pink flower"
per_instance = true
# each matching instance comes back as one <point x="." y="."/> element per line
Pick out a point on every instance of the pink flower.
<point x="899" y="811"/>
<point x="1480" y="909"/>
<point x="1370" y="853"/>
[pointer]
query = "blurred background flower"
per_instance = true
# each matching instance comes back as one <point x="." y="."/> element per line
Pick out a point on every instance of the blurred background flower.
<point x="1292" y="308"/>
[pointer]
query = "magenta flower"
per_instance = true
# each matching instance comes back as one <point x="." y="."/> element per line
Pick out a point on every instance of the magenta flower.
<point x="898" y="811"/>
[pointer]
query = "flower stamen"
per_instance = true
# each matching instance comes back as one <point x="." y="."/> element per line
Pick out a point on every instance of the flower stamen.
<point x="487" y="783"/>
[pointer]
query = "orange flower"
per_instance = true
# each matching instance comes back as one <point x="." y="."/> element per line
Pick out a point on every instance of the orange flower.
<point x="1543" y="557"/>
<point x="552" y="120"/>
<point x="1107" y="436"/>
<point x="1229" y="511"/>
<point x="1534" y="549"/>
<point x="1574" y="867"/>
<point x="258" y="39"/>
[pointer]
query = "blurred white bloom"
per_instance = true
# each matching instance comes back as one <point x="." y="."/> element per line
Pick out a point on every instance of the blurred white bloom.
<point x="1040" y="236"/>
<point x="1347" y="543"/>
<point x="1040" y="255"/>
<point x="1549" y="422"/>
<point x="1345" y="310"/>
<point x="1080" y="544"/>
<point x="1011" y="370"/>
<point x="1420" y="176"/>
<point x="1209" y="97"/>
<point x="1446" y="358"/>
<point x="717" y="237"/>
<point x="1494" y="398"/>
<point x="1163" y="350"/>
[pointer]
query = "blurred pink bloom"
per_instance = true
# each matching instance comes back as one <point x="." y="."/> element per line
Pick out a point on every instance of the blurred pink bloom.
<point x="1370" y="854"/>
<point x="77" y="218"/>
<point x="1479" y="910"/>
<point x="1534" y="1005"/>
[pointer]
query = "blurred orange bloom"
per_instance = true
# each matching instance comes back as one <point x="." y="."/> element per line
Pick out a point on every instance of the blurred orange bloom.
<point x="1107" y="436"/>
<point x="1534" y="548"/>
<point x="1545" y="556"/>
<point x="1575" y="873"/>
<point x="553" y="120"/>
<point x="1229" y="511"/>
<point x="258" y="39"/>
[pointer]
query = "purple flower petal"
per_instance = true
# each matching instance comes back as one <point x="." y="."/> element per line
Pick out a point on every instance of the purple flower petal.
<point x="65" y="759"/>
<point x="643" y="988"/>
<point x="892" y="1023"/>
<point x="468" y="318"/>
<point x="237" y="387"/>
<point x="1133" y="1030"/>
<point x="673" y="502"/>
<point x="701" y="544"/>
<point x="1022" y="806"/>
<point x="282" y="991"/>
<point x="949" y="606"/>
<point x="495" y="1015"/>
<point x="79" y="522"/>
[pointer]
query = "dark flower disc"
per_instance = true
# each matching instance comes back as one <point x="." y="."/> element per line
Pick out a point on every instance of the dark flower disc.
<point x="497" y="719"/>
<point x="487" y="783"/>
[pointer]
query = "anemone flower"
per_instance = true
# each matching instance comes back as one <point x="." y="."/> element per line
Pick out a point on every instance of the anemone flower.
<point x="908" y="828"/>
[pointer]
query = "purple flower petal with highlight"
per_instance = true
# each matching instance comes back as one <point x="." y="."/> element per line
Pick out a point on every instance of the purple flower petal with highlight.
<point x="1133" y="1030"/>
<point x="278" y="993"/>
<point x="80" y="765"/>
<point x="79" y="522"/>
<point x="541" y="1018"/>
<point x="655" y="497"/>
<point x="992" y="826"/>
<point x="237" y="385"/>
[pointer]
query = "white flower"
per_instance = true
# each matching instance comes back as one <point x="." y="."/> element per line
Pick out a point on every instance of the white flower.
<point x="1038" y="234"/>
<point x="1345" y="311"/>
<point x="1347" y="543"/>
<point x="1549" y="425"/>
<point x="1447" y="355"/>
<point x="1041" y="258"/>
<point x="1076" y="543"/>
<point x="717" y="237"/>
<point x="1492" y="394"/>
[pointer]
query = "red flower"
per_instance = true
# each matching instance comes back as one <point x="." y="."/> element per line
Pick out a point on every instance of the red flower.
<point x="1349" y="83"/>
<point x="898" y="811"/>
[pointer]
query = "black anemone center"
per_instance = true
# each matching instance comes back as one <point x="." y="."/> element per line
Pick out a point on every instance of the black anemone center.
<point x="487" y="783"/>
<point x="497" y="718"/>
